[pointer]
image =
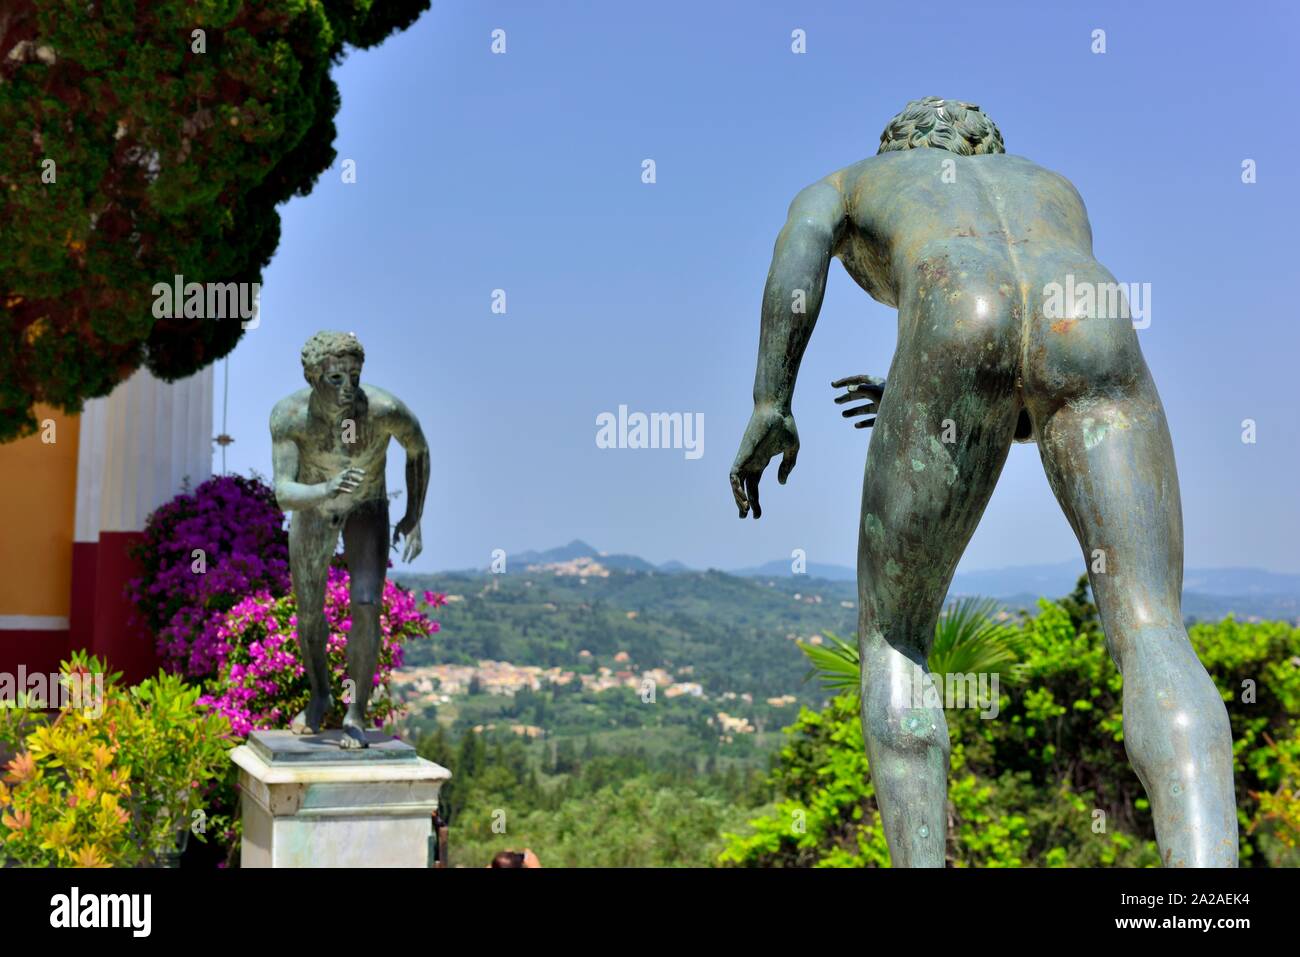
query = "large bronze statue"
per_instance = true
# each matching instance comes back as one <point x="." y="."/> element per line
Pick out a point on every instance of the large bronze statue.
<point x="330" y="446"/>
<point x="972" y="246"/>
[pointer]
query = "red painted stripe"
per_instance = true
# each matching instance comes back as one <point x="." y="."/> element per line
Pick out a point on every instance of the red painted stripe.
<point x="128" y="650"/>
<point x="37" y="651"/>
<point x="81" y="618"/>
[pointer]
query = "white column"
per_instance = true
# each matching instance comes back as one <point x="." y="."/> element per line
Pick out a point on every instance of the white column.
<point x="137" y="446"/>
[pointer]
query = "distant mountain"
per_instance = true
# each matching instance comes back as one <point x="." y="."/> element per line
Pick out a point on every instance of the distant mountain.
<point x="1208" y="593"/>
<point x="1197" y="606"/>
<point x="729" y="632"/>
<point x="782" y="568"/>
<point x="578" y="550"/>
<point x="1057" y="578"/>
<point x="1054" y="579"/>
<point x="1240" y="581"/>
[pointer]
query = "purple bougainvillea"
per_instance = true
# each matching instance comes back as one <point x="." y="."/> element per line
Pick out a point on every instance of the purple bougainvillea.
<point x="202" y="553"/>
<point x="215" y="591"/>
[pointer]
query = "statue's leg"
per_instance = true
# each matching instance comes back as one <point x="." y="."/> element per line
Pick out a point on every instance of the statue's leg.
<point x="365" y="547"/>
<point x="312" y="538"/>
<point x="1111" y="463"/>
<point x="1107" y="452"/>
<point x="938" y="445"/>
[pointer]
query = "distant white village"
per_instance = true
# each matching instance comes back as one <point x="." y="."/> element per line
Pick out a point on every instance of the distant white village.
<point x="427" y="685"/>
<point x="439" y="684"/>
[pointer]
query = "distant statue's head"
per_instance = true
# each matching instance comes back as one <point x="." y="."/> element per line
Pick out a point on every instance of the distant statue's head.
<point x="331" y="363"/>
<point x="944" y="124"/>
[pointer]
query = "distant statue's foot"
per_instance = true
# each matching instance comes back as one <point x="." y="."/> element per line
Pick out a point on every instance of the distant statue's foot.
<point x="354" y="736"/>
<point x="309" y="719"/>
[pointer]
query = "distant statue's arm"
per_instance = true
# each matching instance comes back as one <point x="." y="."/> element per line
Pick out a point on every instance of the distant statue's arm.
<point x="792" y="299"/>
<point x="292" y="495"/>
<point x="406" y="429"/>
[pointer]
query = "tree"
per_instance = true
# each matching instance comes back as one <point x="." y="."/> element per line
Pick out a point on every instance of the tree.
<point x="144" y="141"/>
<point x="1082" y="612"/>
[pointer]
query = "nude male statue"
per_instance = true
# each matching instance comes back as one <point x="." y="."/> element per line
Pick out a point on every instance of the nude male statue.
<point x="330" y="447"/>
<point x="965" y="240"/>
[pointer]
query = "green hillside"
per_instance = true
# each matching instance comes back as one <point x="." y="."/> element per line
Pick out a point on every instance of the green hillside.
<point x="736" y="634"/>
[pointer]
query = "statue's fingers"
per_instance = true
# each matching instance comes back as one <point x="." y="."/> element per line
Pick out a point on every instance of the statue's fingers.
<point x="738" y="492"/>
<point x="865" y="424"/>
<point x="849" y="380"/>
<point x="787" y="465"/>
<point x="751" y="489"/>
<point x="868" y="409"/>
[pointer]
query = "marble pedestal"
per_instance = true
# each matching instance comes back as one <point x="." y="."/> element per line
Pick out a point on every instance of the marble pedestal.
<point x="306" y="802"/>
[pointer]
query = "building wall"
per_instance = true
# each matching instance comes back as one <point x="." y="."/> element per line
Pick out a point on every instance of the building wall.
<point x="37" y="515"/>
<point x="78" y="506"/>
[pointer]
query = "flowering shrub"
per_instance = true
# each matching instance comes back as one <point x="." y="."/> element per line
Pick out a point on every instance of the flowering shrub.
<point x="202" y="552"/>
<point x="261" y="682"/>
<point x="109" y="783"/>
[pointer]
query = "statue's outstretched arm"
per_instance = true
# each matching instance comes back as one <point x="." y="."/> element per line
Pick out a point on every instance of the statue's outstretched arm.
<point x="792" y="299"/>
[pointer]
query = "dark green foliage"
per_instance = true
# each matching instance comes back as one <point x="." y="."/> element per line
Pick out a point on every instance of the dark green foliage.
<point x="735" y="633"/>
<point x="1034" y="785"/>
<point x="587" y="807"/>
<point x="167" y="162"/>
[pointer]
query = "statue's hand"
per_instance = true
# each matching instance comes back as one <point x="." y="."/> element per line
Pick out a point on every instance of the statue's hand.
<point x="349" y="480"/>
<point x="770" y="432"/>
<point x="414" y="545"/>
<point x="866" y="388"/>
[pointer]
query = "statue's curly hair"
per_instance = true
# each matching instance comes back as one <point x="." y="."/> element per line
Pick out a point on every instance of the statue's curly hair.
<point x="325" y="344"/>
<point x="944" y="124"/>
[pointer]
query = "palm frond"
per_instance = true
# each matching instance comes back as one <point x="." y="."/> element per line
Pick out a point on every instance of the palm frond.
<point x="967" y="640"/>
<point x="837" y="664"/>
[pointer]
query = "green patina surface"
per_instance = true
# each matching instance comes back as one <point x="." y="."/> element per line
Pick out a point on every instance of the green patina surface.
<point x="965" y="241"/>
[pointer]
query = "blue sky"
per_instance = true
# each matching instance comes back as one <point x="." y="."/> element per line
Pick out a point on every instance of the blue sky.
<point x="522" y="172"/>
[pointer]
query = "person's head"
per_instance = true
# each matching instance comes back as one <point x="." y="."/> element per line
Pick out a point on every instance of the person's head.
<point x="524" y="858"/>
<point x="944" y="124"/>
<point x="331" y="363"/>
